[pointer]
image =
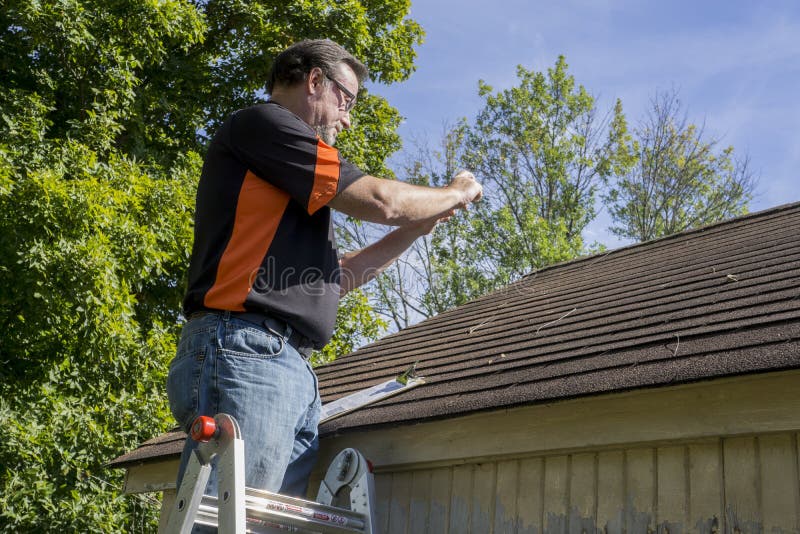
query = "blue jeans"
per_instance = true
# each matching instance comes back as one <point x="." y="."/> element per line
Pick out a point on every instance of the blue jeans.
<point x="228" y="365"/>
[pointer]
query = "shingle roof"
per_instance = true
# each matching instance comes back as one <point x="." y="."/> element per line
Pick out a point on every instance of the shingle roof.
<point x="167" y="444"/>
<point x="722" y="300"/>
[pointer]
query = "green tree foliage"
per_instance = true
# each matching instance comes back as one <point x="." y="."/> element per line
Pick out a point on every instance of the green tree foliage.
<point x="680" y="180"/>
<point x="151" y="77"/>
<point x="111" y="74"/>
<point x="542" y="152"/>
<point x="104" y="111"/>
<point x="93" y="250"/>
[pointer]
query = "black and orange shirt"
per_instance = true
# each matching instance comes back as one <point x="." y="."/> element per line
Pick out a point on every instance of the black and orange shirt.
<point x="263" y="237"/>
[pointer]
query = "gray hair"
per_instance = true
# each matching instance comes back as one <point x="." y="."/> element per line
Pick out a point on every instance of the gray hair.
<point x="293" y="64"/>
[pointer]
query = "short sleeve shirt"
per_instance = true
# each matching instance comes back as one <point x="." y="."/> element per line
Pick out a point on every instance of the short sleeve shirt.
<point x="263" y="237"/>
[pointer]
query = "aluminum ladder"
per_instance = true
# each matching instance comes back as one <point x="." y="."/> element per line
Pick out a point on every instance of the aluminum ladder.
<point x="238" y="509"/>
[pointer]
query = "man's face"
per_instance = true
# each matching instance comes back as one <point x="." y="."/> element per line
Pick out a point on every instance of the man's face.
<point x="336" y="100"/>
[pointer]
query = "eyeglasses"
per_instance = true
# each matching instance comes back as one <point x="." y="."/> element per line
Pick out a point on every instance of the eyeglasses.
<point x="351" y="101"/>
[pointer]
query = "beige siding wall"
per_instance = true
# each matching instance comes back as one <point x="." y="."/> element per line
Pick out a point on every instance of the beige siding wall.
<point x="738" y="484"/>
<point x="717" y="456"/>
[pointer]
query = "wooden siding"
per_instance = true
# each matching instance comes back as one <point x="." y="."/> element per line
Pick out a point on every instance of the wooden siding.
<point x="739" y="485"/>
<point x="748" y="405"/>
<point x="710" y="457"/>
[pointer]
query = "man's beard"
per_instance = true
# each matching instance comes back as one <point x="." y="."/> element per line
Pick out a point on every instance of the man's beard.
<point x="327" y="133"/>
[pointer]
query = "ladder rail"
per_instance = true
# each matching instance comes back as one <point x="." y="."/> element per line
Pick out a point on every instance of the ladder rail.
<point x="259" y="520"/>
<point x="231" y="488"/>
<point x="269" y="506"/>
<point x="316" y="510"/>
<point x="189" y="496"/>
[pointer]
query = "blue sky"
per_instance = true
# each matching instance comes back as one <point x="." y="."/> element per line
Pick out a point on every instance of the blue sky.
<point x="736" y="65"/>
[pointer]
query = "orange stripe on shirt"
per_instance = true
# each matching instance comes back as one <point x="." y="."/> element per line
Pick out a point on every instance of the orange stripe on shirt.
<point x="259" y="210"/>
<point x="326" y="177"/>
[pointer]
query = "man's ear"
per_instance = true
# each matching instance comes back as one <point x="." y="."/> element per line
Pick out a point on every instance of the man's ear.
<point x="315" y="80"/>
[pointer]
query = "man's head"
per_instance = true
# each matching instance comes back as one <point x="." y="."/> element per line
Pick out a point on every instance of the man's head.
<point x="318" y="80"/>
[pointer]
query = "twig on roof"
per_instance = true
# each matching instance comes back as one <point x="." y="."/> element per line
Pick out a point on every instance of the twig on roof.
<point x="557" y="320"/>
<point x="600" y="256"/>
<point x="677" y="344"/>
<point x="487" y="321"/>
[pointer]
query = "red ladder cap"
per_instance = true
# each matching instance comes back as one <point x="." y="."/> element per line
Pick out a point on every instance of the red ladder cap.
<point x="203" y="428"/>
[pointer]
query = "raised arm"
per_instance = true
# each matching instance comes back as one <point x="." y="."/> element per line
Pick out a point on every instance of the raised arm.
<point x="400" y="204"/>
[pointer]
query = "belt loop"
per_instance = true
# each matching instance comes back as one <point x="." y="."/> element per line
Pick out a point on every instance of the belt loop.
<point x="284" y="341"/>
<point x="226" y="315"/>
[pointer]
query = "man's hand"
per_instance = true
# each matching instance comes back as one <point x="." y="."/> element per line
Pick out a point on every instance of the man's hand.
<point x="465" y="183"/>
<point x="425" y="227"/>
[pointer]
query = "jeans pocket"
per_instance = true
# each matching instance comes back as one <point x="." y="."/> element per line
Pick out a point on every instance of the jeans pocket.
<point x="248" y="340"/>
<point x="183" y="385"/>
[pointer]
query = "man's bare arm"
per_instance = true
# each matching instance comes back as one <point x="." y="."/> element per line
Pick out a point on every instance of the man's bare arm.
<point x="400" y="204"/>
<point x="361" y="266"/>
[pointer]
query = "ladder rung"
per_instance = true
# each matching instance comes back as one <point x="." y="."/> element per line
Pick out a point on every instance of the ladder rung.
<point x="264" y="500"/>
<point x="258" y="523"/>
<point x="267" y="507"/>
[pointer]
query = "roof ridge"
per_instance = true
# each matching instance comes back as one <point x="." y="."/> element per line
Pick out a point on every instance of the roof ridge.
<point x="682" y="234"/>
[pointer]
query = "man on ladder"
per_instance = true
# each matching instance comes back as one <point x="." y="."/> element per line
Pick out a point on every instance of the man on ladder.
<point x="265" y="277"/>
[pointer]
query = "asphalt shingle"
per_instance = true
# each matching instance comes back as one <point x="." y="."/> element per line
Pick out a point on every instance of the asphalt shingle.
<point x="718" y="301"/>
